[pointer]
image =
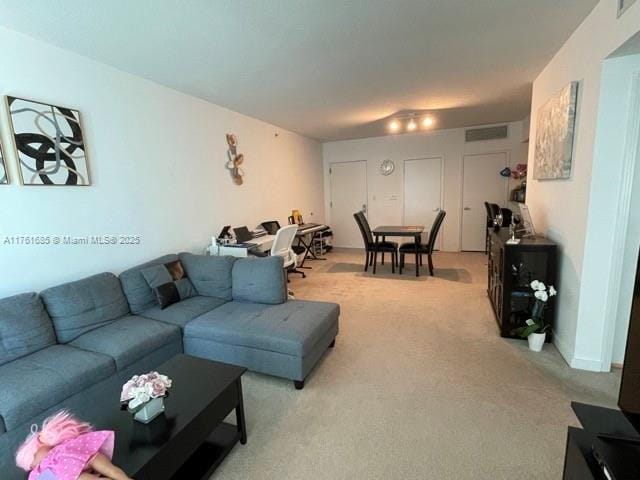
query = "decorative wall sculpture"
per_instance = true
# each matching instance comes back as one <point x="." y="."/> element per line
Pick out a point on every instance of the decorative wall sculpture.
<point x="554" y="135"/>
<point x="235" y="159"/>
<point x="49" y="143"/>
<point x="3" y="169"/>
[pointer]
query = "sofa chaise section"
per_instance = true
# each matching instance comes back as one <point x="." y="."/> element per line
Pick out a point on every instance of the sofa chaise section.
<point x="259" y="328"/>
<point x="285" y="340"/>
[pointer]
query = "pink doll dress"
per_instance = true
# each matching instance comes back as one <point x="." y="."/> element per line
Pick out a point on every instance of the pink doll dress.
<point x="69" y="459"/>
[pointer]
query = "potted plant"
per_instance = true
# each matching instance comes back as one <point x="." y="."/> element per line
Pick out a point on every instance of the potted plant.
<point x="143" y="395"/>
<point x="535" y="328"/>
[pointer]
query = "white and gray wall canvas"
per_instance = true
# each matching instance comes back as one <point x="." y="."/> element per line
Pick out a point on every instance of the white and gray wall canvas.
<point x="3" y="169"/>
<point x="554" y="136"/>
<point x="49" y="143"/>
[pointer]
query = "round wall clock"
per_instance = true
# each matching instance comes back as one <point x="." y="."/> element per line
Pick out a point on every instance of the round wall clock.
<point x="387" y="167"/>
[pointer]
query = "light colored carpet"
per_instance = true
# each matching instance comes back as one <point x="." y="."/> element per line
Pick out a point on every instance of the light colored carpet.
<point x="419" y="385"/>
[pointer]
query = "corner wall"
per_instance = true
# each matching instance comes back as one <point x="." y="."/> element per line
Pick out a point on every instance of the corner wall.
<point x="561" y="209"/>
<point x="385" y="194"/>
<point x="157" y="160"/>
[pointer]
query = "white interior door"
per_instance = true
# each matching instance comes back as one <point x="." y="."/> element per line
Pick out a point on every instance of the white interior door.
<point x="423" y="193"/>
<point x="348" y="195"/>
<point x="482" y="182"/>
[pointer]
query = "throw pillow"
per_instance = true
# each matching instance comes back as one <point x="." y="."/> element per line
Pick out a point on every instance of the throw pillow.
<point x="169" y="283"/>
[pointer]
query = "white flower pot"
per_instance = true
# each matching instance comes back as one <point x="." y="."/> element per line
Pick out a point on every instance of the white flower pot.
<point x="151" y="410"/>
<point x="536" y="341"/>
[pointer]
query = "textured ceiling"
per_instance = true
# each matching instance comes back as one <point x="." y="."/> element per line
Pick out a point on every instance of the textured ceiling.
<point x="329" y="69"/>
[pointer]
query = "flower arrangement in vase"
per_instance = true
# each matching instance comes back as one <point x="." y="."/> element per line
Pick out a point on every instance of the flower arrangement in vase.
<point x="535" y="328"/>
<point x="143" y="395"/>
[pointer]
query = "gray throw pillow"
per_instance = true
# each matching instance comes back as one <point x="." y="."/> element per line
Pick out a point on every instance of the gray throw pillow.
<point x="169" y="283"/>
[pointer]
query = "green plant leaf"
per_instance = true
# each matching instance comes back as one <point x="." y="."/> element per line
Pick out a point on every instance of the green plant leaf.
<point x="529" y="329"/>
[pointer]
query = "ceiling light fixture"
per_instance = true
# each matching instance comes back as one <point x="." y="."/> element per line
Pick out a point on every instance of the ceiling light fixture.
<point x="427" y="122"/>
<point x="412" y="125"/>
<point x="394" y="125"/>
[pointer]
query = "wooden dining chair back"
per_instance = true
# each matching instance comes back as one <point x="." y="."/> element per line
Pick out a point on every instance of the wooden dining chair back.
<point x="372" y="248"/>
<point x="365" y="229"/>
<point x="435" y="229"/>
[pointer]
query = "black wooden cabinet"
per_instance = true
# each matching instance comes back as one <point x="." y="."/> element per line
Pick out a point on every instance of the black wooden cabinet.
<point x="511" y="270"/>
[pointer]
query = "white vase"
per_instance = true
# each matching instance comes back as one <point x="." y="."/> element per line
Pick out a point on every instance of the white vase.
<point x="151" y="410"/>
<point x="536" y="341"/>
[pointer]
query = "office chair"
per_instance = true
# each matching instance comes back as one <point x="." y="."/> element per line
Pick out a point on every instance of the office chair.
<point x="410" y="247"/>
<point x="282" y="246"/>
<point x="272" y="227"/>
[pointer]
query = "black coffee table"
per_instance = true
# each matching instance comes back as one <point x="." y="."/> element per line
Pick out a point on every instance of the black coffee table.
<point x="190" y="439"/>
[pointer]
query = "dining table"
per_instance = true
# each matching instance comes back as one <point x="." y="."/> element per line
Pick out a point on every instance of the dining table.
<point x="414" y="231"/>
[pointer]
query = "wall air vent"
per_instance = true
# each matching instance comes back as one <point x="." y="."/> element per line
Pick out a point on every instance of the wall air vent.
<point x="486" y="133"/>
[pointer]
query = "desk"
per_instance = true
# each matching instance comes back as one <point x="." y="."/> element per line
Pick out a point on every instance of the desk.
<point x="262" y="244"/>
<point x="312" y="229"/>
<point x="401" y="231"/>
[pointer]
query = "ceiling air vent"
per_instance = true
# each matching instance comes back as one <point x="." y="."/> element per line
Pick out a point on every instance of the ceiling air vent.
<point x="623" y="5"/>
<point x="486" y="133"/>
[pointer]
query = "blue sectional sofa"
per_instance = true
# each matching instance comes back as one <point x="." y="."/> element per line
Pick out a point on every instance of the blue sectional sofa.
<point x="71" y="338"/>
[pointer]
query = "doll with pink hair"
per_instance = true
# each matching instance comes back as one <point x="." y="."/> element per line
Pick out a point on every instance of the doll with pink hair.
<point x="68" y="449"/>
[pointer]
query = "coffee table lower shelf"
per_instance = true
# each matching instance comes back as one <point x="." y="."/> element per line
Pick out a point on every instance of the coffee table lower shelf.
<point x="205" y="460"/>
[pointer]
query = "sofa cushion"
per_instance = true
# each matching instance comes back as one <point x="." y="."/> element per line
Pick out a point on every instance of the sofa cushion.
<point x="129" y="339"/>
<point x="25" y="326"/>
<point x="183" y="312"/>
<point x="83" y="305"/>
<point x="137" y="290"/>
<point x="38" y="381"/>
<point x="292" y="328"/>
<point x="259" y="280"/>
<point x="169" y="283"/>
<point x="210" y="275"/>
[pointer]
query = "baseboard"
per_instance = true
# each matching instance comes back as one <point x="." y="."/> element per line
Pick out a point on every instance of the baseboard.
<point x="586" y="364"/>
<point x="619" y="366"/>
<point x="563" y="347"/>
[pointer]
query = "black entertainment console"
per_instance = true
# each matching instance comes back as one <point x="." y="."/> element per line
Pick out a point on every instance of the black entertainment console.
<point x="615" y="441"/>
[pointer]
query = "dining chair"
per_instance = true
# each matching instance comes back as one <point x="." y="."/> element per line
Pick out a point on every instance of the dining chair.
<point x="424" y="248"/>
<point x="372" y="248"/>
<point x="487" y="207"/>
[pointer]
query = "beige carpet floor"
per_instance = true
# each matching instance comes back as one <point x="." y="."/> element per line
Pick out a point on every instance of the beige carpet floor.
<point x="419" y="386"/>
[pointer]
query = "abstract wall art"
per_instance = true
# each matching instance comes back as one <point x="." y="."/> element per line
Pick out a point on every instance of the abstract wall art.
<point x="235" y="159"/>
<point x="554" y="135"/>
<point x="4" y="179"/>
<point x="49" y="143"/>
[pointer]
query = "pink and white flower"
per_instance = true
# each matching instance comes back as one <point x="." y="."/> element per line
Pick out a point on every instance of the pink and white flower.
<point x="142" y="388"/>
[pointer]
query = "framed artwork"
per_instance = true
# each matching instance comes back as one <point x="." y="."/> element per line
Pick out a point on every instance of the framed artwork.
<point x="554" y="135"/>
<point x="4" y="179"/>
<point x="49" y="143"/>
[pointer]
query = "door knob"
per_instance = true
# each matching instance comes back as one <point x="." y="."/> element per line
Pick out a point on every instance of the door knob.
<point x="467" y="208"/>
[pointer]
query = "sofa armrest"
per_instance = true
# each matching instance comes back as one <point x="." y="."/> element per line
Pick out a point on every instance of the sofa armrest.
<point x="259" y="280"/>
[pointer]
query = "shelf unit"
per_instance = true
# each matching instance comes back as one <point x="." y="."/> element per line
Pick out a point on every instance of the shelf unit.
<point x="511" y="268"/>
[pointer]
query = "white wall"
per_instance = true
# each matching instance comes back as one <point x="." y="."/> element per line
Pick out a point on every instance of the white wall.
<point x="448" y="144"/>
<point x="157" y="162"/>
<point x="561" y="209"/>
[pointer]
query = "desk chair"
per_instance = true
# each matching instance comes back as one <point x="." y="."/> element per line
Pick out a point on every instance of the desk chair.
<point x="370" y="246"/>
<point x="282" y="247"/>
<point x="410" y="247"/>
<point x="272" y="227"/>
